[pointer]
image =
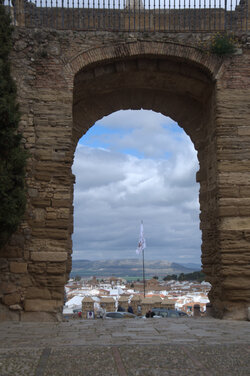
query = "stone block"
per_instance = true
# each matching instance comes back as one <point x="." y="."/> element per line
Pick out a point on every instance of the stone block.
<point x="58" y="223"/>
<point x="12" y="252"/>
<point x="16" y="307"/>
<point x="49" y="256"/>
<point x="8" y="287"/>
<point x="235" y="223"/>
<point x="57" y="295"/>
<point x="37" y="293"/>
<point x="51" y="280"/>
<point x="40" y="305"/>
<point x="56" y="268"/>
<point x="18" y="267"/>
<point x="32" y="192"/>
<point x="44" y="155"/>
<point x="61" y="203"/>
<point x="63" y="213"/>
<point x="11" y="299"/>
<point x="234" y="178"/>
<point x="65" y="195"/>
<point x="244" y="131"/>
<point x="39" y="317"/>
<point x="244" y="211"/>
<point x="39" y="215"/>
<point x="43" y="177"/>
<point x="236" y="283"/>
<point x="232" y="246"/>
<point x="25" y="280"/>
<point x="234" y="166"/>
<point x="37" y="267"/>
<point x="229" y="191"/>
<point x="228" y="211"/>
<point x="51" y="215"/>
<point x="244" y="191"/>
<point x="50" y="233"/>
<point x="239" y="201"/>
<point x="40" y="202"/>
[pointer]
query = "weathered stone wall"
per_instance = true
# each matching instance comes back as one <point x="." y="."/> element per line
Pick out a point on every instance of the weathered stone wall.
<point x="233" y="200"/>
<point x="67" y="81"/>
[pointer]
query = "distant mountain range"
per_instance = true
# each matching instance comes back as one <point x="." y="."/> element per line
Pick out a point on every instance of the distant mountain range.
<point x="129" y="268"/>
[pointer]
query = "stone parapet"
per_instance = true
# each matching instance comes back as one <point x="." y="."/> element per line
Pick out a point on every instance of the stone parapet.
<point x="135" y="303"/>
<point x="168" y="303"/>
<point x="123" y="302"/>
<point x="87" y="306"/>
<point x="108" y="304"/>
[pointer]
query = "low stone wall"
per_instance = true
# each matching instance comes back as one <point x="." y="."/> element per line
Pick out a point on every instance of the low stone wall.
<point x="87" y="306"/>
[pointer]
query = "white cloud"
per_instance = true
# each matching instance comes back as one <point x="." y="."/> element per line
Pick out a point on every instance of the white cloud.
<point x="115" y="190"/>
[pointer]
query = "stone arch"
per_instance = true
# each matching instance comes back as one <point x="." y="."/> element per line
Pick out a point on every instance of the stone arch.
<point x="191" y="53"/>
<point x="177" y="81"/>
<point x="97" y="61"/>
<point x="207" y="96"/>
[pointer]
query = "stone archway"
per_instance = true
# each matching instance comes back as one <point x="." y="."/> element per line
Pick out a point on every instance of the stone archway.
<point x="173" y="78"/>
<point x="176" y="87"/>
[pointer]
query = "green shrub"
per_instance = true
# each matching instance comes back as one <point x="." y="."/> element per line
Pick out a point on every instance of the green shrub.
<point x="12" y="155"/>
<point x="219" y="44"/>
<point x="222" y="44"/>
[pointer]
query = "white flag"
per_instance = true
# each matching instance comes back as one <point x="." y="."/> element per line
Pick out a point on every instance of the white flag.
<point x="142" y="242"/>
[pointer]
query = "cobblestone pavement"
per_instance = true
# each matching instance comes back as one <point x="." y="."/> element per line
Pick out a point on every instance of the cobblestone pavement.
<point x="152" y="347"/>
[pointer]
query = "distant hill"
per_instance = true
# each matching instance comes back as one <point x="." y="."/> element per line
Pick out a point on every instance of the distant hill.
<point x="190" y="265"/>
<point x="127" y="268"/>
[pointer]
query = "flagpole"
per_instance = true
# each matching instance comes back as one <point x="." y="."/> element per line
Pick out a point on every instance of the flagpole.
<point x="140" y="249"/>
<point x="143" y="264"/>
<point x="143" y="272"/>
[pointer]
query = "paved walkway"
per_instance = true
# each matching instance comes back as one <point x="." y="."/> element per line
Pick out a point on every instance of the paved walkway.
<point x="152" y="347"/>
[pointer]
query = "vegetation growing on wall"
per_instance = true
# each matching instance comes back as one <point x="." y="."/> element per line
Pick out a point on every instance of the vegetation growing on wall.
<point x="12" y="155"/>
<point x="220" y="44"/>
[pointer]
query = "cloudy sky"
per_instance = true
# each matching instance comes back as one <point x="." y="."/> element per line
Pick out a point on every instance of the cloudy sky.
<point x="133" y="166"/>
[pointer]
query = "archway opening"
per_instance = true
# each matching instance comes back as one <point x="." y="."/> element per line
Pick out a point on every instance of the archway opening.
<point x="129" y="166"/>
<point x="132" y="165"/>
<point x="175" y="87"/>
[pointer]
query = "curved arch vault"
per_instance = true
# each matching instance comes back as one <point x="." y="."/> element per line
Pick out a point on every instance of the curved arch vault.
<point x="62" y="96"/>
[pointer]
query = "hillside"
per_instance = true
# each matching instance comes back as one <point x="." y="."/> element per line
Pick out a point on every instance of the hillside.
<point x="127" y="268"/>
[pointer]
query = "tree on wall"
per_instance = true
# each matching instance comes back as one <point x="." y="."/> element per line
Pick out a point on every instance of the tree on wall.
<point x="12" y="155"/>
